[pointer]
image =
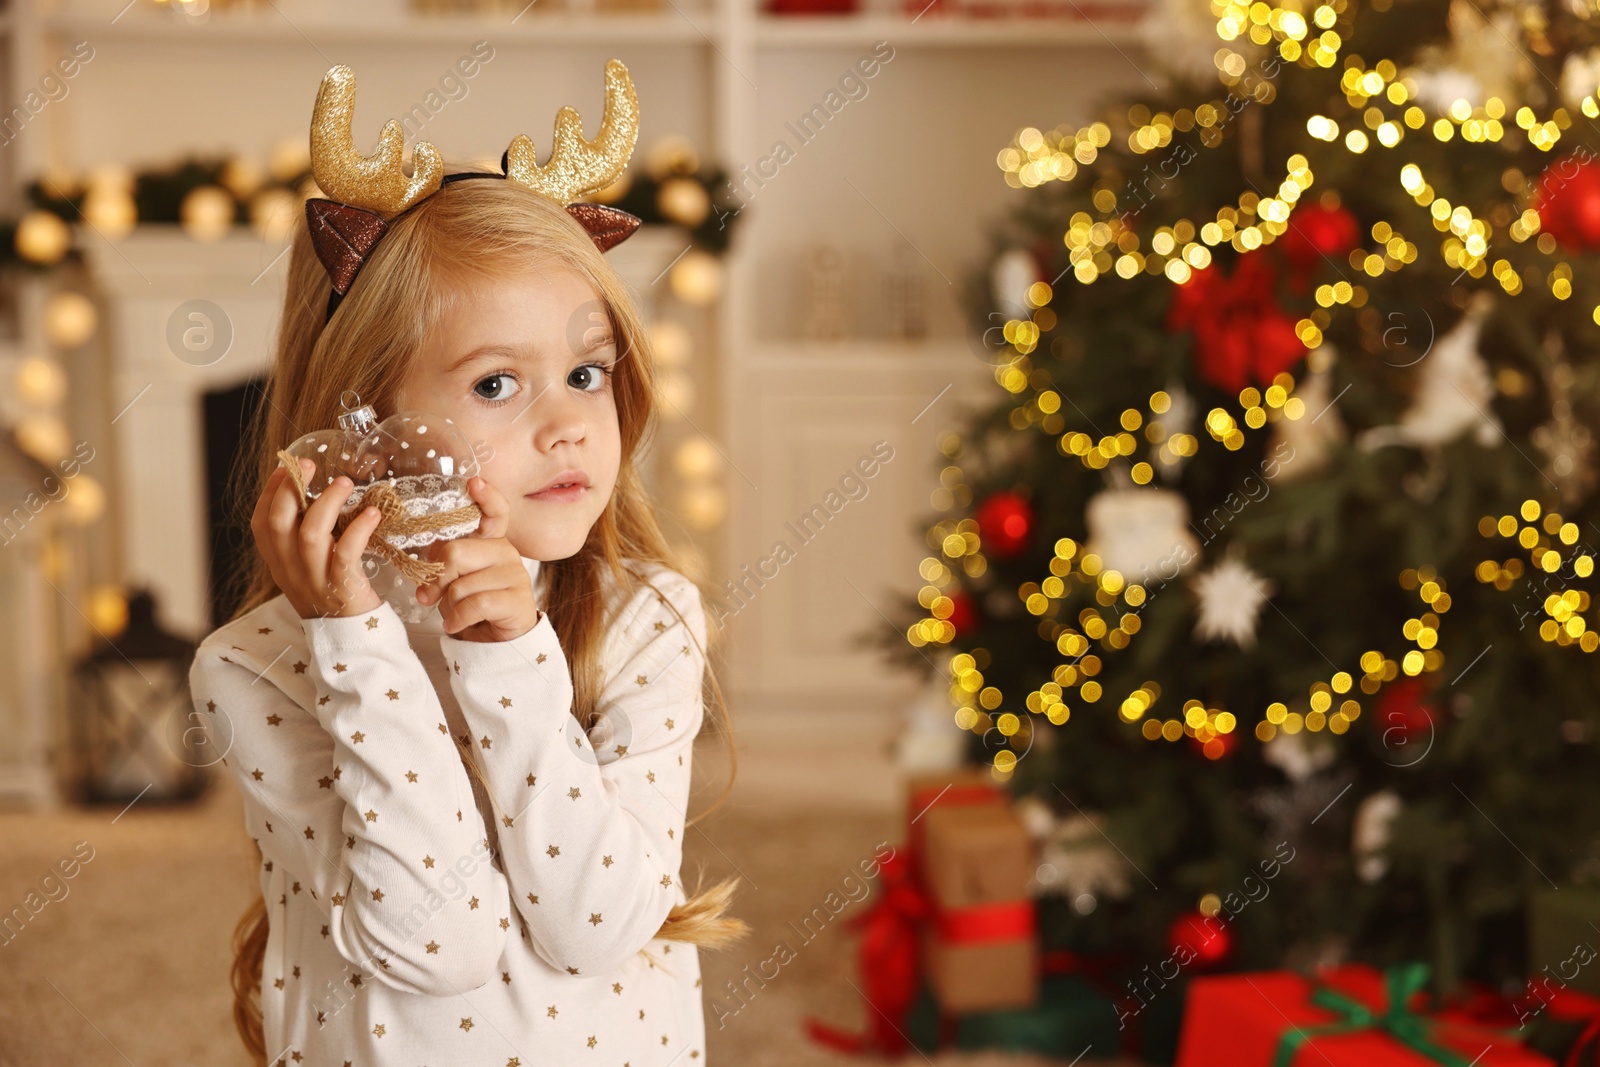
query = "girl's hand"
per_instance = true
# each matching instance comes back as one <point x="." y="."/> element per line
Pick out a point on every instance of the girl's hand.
<point x="319" y="576"/>
<point x="485" y="593"/>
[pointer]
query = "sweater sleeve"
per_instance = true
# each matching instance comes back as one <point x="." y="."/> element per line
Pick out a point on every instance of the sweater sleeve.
<point x="590" y="839"/>
<point x="364" y="801"/>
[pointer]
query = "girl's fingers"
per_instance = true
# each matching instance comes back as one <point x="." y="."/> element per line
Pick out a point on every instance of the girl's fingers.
<point x="497" y="577"/>
<point x="316" y="530"/>
<point x="348" y="574"/>
<point x="496" y="509"/>
<point x="283" y="515"/>
<point x="269" y="489"/>
<point x="352" y="544"/>
<point x="479" y="607"/>
<point x="500" y="606"/>
<point x="477" y="552"/>
<point x="461" y="556"/>
<point x="319" y="576"/>
<point x="261" y="526"/>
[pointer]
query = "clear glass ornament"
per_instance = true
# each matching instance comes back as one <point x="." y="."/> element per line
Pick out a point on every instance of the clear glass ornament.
<point x="422" y="460"/>
<point x="427" y="462"/>
<point x="395" y="589"/>
<point x="340" y="451"/>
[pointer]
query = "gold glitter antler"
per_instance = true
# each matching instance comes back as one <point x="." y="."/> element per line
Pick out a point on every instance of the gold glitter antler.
<point x="376" y="182"/>
<point x="578" y="165"/>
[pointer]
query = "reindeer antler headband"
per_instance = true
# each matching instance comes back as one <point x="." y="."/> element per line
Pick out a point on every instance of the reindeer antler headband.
<point x="366" y="193"/>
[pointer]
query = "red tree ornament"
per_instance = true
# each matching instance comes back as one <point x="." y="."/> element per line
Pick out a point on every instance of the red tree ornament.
<point x="1218" y="747"/>
<point x="963" y="616"/>
<point x="1004" y="522"/>
<point x="1317" y="233"/>
<point x="1404" y="715"/>
<point x="1207" y="941"/>
<point x="1567" y="197"/>
<point x="1241" y="335"/>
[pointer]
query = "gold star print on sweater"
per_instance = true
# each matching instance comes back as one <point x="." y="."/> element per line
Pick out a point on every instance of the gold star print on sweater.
<point x="386" y="902"/>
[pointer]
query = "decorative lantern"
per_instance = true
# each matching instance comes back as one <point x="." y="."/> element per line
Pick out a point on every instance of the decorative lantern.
<point x="134" y="724"/>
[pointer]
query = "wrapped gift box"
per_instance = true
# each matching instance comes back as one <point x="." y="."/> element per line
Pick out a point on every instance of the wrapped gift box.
<point x="1242" y="1020"/>
<point x="975" y="854"/>
<point x="960" y="787"/>
<point x="1551" y="1018"/>
<point x="980" y="948"/>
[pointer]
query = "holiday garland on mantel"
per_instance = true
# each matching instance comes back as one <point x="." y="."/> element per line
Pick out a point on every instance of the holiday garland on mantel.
<point x="209" y="196"/>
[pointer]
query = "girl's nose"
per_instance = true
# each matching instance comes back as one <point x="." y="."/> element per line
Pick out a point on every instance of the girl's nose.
<point x="559" y="419"/>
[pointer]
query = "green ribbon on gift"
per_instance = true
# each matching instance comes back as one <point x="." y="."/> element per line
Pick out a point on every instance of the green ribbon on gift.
<point x="1411" y="1029"/>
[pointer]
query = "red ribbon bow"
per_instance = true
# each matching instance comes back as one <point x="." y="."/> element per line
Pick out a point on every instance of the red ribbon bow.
<point x="1241" y="335"/>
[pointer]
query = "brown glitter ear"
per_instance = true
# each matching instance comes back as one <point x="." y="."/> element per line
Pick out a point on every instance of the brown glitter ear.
<point x="607" y="226"/>
<point x="343" y="237"/>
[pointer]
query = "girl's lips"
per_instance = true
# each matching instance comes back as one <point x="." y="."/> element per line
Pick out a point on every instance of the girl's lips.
<point x="566" y="487"/>
<point x="565" y="494"/>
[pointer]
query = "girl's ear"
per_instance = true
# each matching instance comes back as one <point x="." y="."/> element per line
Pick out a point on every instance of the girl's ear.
<point x="607" y="226"/>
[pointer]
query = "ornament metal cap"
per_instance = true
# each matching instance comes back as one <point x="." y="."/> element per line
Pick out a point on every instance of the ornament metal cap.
<point x="356" y="416"/>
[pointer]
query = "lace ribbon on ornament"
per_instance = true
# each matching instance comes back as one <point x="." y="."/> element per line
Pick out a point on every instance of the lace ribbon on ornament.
<point x="415" y="510"/>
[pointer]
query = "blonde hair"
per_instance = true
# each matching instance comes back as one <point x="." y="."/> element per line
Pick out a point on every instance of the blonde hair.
<point x="470" y="230"/>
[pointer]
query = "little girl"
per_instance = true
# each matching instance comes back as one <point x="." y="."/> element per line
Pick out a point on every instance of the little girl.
<point x="470" y="828"/>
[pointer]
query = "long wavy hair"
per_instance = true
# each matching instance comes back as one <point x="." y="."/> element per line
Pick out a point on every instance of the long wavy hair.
<point x="469" y="230"/>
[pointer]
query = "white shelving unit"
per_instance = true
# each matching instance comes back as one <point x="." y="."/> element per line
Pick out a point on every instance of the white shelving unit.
<point x="343" y="24"/>
<point x="905" y="160"/>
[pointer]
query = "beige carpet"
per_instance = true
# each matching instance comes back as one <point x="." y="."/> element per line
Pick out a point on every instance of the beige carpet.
<point x="131" y="966"/>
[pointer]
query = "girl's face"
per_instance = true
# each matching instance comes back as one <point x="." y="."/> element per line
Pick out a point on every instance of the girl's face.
<point x="523" y="366"/>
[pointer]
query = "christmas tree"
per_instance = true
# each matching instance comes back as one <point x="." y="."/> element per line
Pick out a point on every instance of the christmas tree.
<point x="1265" y="579"/>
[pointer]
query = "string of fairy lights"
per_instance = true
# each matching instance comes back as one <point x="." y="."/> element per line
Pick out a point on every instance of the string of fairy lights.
<point x="1385" y="101"/>
<point x="1540" y="532"/>
<point x="976" y="699"/>
<point x="960" y="546"/>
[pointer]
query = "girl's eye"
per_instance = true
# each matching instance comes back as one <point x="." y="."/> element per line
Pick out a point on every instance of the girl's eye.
<point x="497" y="388"/>
<point x="591" y="377"/>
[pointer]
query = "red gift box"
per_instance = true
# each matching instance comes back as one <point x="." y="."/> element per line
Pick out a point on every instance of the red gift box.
<point x="1243" y="1020"/>
<point x="1539" y="997"/>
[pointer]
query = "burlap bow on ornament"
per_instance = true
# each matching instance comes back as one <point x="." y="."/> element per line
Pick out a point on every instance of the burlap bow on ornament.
<point x="395" y="522"/>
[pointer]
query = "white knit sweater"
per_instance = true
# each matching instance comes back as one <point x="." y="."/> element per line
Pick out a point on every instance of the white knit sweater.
<point x="415" y="919"/>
